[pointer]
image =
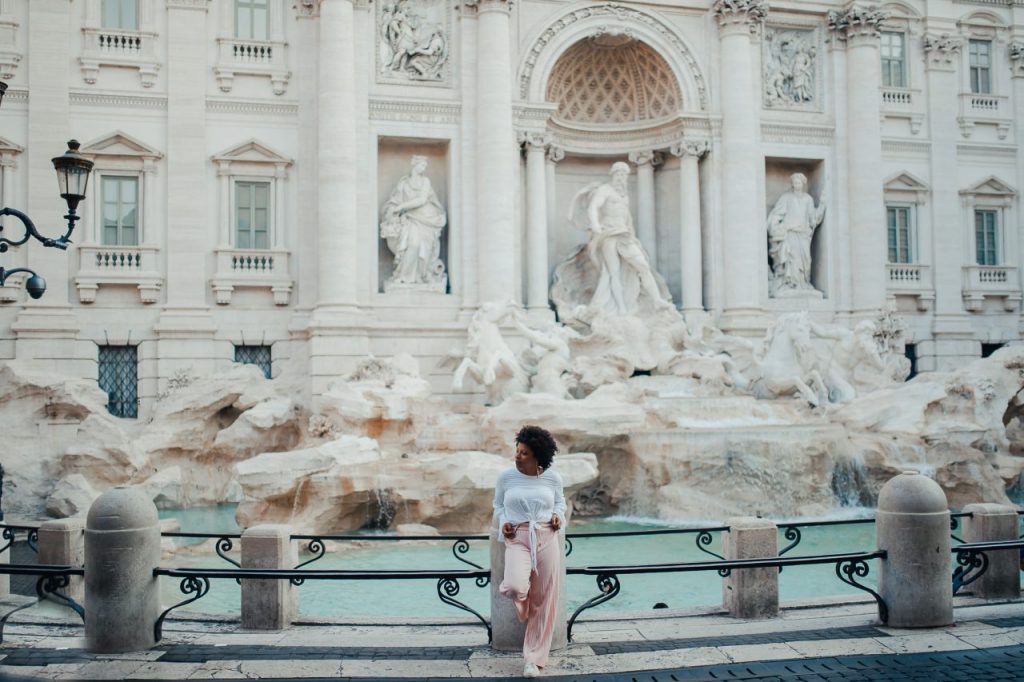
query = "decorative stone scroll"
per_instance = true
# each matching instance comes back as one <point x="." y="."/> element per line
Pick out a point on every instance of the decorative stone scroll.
<point x="412" y="40"/>
<point x="790" y="68"/>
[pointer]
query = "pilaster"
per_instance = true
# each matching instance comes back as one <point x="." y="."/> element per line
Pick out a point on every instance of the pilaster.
<point x="536" y="145"/>
<point x="646" y="230"/>
<point x="745" y="259"/>
<point x="860" y="28"/>
<point x="496" y="161"/>
<point x="951" y="326"/>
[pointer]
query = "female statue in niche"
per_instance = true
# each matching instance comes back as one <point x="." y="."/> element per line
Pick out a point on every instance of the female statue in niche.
<point x="791" y="226"/>
<point x="413" y="219"/>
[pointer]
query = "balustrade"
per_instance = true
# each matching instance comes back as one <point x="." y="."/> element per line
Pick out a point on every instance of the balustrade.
<point x="991" y="281"/>
<point x="118" y="265"/>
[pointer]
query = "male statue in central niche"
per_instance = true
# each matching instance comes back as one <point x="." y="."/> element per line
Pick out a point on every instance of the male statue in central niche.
<point x="413" y="219"/>
<point x="791" y="226"/>
<point x="625" y="277"/>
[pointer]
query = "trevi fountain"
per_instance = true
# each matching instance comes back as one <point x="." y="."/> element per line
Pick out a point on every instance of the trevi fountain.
<point x="657" y="416"/>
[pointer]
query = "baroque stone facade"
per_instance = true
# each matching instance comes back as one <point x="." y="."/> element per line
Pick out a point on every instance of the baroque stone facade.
<point x="248" y="168"/>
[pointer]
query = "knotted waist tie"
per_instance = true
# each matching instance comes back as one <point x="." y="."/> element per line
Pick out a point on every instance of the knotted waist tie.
<point x="533" y="538"/>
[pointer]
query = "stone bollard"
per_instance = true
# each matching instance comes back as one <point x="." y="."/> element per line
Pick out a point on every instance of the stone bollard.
<point x="992" y="523"/>
<point x="751" y="592"/>
<point x="122" y="596"/>
<point x="912" y="525"/>
<point x="5" y="580"/>
<point x="62" y="543"/>
<point x="507" y="632"/>
<point x="268" y="604"/>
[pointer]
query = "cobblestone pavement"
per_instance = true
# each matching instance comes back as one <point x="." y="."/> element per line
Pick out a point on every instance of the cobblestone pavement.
<point x="841" y="642"/>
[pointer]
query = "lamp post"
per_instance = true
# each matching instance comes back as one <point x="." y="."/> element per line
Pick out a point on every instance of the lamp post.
<point x="72" y="178"/>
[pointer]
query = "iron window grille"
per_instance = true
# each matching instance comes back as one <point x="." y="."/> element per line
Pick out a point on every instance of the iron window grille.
<point x="254" y="355"/>
<point x="119" y="379"/>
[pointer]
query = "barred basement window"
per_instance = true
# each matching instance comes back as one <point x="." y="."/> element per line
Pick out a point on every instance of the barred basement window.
<point x="254" y="355"/>
<point x="119" y="379"/>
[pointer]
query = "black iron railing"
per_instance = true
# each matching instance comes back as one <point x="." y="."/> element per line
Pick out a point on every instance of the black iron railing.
<point x="51" y="579"/>
<point x="196" y="582"/>
<point x="849" y="567"/>
<point x="10" y="534"/>
<point x="972" y="560"/>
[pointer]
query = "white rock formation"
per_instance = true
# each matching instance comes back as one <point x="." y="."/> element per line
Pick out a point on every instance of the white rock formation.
<point x="348" y="483"/>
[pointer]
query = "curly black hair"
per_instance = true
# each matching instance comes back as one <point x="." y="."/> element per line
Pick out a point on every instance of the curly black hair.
<point x="541" y="444"/>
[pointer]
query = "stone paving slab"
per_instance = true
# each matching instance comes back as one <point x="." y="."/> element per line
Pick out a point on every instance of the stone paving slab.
<point x="986" y="642"/>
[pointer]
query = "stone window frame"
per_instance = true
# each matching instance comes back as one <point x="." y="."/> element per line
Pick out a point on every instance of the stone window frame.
<point x="236" y="6"/>
<point x="986" y="26"/>
<point x="905" y="62"/>
<point x="998" y="247"/>
<point x="991" y="194"/>
<point x="119" y="154"/>
<point x="251" y="161"/>
<point x="904" y="189"/>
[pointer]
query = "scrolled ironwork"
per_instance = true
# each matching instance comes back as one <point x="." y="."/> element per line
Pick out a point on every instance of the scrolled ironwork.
<point x="726" y="572"/>
<point x="315" y="547"/>
<point x="447" y="589"/>
<point x="223" y="545"/>
<point x="848" y="570"/>
<point x="608" y="584"/>
<point x="197" y="586"/>
<point x="954" y="523"/>
<point x="46" y="588"/>
<point x="971" y="565"/>
<point x="8" y="535"/>
<point x="792" y="534"/>
<point x="704" y="538"/>
<point x="461" y="546"/>
<point x="568" y="546"/>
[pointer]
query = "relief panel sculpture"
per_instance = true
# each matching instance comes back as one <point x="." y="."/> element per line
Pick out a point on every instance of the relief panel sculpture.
<point x="412" y="220"/>
<point x="790" y="68"/>
<point x="412" y="41"/>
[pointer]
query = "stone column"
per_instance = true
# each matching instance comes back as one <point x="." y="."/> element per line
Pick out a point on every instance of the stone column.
<point x="912" y="526"/>
<point x="122" y="597"/>
<point x="495" y="154"/>
<point x="994" y="523"/>
<point x="751" y="592"/>
<point x="268" y="604"/>
<point x="305" y="266"/>
<point x="952" y="332"/>
<point x="337" y="163"/>
<point x="62" y="543"/>
<point x="506" y="631"/>
<point x="646" y="226"/>
<point x="860" y="28"/>
<point x="536" y="226"/>
<point x="746" y="252"/>
<point x="691" y="249"/>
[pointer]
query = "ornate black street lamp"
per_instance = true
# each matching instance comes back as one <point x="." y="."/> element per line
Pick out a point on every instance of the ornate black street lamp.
<point x="72" y="178"/>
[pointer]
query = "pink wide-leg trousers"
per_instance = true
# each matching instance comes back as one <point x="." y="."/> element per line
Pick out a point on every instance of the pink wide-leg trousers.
<point x="535" y="594"/>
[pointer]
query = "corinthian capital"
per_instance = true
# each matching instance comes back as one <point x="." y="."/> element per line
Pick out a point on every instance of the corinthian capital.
<point x="857" y="22"/>
<point x="942" y="51"/>
<point x="640" y="158"/>
<point x="747" y="14"/>
<point x="695" y="148"/>
<point x="530" y="138"/>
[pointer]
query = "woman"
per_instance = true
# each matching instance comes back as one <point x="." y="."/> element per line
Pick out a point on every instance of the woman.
<point x="530" y="505"/>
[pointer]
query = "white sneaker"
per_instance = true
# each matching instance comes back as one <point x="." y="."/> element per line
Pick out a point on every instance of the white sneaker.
<point x="531" y="670"/>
